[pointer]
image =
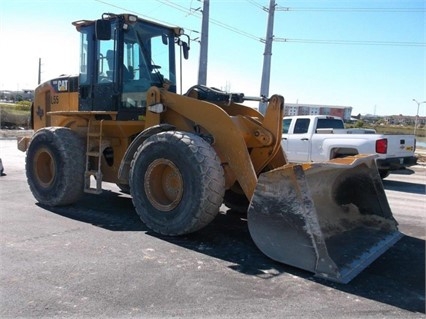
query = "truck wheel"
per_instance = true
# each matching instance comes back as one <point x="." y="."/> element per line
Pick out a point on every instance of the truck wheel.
<point x="176" y="182"/>
<point x="55" y="165"/>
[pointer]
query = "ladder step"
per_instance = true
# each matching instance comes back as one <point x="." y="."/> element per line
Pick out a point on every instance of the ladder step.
<point x="98" y="177"/>
<point x="93" y="191"/>
<point x="94" y="134"/>
<point x="96" y="174"/>
<point x="93" y="154"/>
<point x="94" y="138"/>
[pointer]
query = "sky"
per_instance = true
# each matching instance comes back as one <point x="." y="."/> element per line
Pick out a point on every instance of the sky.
<point x="370" y="55"/>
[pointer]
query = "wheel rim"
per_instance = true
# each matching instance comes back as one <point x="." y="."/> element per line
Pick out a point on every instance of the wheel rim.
<point x="163" y="185"/>
<point x="44" y="167"/>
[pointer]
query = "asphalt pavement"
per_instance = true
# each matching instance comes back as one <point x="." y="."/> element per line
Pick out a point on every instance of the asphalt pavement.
<point x="96" y="259"/>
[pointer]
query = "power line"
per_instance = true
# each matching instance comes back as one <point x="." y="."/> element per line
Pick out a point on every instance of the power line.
<point x="312" y="41"/>
<point x="195" y="13"/>
<point x="233" y="29"/>
<point x="349" y="42"/>
<point x="198" y="14"/>
<point x="176" y="6"/>
<point x="313" y="9"/>
<point x="141" y="14"/>
<point x="130" y="11"/>
<point x="258" y="5"/>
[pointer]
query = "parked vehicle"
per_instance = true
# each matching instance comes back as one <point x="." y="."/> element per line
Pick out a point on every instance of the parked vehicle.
<point x="321" y="138"/>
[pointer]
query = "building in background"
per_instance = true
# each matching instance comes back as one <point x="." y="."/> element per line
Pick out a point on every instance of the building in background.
<point x="15" y="96"/>
<point x="316" y="109"/>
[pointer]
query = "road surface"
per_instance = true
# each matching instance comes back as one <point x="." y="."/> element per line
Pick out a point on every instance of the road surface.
<point x="96" y="259"/>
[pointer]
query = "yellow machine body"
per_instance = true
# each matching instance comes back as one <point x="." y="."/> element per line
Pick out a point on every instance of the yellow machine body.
<point x="179" y="156"/>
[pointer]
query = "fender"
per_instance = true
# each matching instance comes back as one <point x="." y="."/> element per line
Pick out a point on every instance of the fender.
<point x="347" y="146"/>
<point x="123" y="172"/>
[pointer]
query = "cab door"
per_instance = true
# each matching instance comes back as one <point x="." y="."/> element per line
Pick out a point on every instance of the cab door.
<point x="298" y="143"/>
<point x="98" y="80"/>
<point x="106" y="88"/>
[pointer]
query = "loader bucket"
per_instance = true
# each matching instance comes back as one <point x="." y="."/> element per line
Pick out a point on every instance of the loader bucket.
<point x="329" y="218"/>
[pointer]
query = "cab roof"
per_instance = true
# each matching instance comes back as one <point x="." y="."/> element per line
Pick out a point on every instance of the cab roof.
<point x="128" y="18"/>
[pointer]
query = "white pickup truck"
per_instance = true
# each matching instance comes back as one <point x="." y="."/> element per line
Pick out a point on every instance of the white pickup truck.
<point x="319" y="138"/>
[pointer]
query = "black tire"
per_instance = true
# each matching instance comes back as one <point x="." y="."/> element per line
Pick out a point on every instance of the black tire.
<point x="55" y="166"/>
<point x="384" y="173"/>
<point x="176" y="182"/>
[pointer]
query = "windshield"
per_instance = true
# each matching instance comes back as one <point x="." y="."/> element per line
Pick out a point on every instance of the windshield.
<point x="148" y="52"/>
<point x="148" y="60"/>
<point x="125" y="64"/>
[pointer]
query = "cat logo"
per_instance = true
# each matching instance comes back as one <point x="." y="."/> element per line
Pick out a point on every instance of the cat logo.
<point x="62" y="85"/>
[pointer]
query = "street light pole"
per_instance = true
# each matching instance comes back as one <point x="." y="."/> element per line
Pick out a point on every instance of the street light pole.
<point x="417" y="115"/>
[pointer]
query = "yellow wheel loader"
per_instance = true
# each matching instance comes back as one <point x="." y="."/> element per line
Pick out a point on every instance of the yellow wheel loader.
<point x="181" y="156"/>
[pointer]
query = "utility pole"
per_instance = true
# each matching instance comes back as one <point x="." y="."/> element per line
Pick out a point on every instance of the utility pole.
<point x="417" y="115"/>
<point x="266" y="71"/>
<point x="39" y="71"/>
<point x="202" y="67"/>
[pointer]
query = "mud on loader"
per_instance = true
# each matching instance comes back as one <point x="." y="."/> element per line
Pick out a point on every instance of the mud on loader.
<point x="181" y="156"/>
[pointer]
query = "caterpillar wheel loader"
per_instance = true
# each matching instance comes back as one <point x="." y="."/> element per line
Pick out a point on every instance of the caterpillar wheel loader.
<point x="180" y="156"/>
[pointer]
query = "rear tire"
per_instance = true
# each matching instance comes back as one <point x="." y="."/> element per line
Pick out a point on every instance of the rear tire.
<point x="55" y="166"/>
<point x="176" y="182"/>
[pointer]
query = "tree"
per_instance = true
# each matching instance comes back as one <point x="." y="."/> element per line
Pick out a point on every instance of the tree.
<point x="359" y="123"/>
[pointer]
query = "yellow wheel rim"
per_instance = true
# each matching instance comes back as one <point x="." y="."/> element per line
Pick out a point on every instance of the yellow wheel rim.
<point x="163" y="185"/>
<point x="44" y="167"/>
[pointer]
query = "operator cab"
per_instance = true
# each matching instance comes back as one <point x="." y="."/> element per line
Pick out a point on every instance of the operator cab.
<point x="121" y="57"/>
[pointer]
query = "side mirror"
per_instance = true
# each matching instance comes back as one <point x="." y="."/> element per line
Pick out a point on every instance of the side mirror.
<point x="185" y="48"/>
<point x="103" y="29"/>
<point x="184" y="45"/>
<point x="164" y="39"/>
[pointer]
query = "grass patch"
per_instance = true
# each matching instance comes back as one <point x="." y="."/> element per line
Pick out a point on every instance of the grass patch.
<point x="16" y="115"/>
<point x="19" y="108"/>
<point x="395" y="129"/>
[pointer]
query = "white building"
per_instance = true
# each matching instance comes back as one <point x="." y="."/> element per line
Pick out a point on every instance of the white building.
<point x="344" y="112"/>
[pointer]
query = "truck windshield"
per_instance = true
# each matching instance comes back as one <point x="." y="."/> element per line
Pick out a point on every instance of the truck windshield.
<point x="330" y="123"/>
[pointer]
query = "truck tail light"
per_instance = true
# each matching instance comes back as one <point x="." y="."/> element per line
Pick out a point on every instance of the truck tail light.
<point x="382" y="146"/>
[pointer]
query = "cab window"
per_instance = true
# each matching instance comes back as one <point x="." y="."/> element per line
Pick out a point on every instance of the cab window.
<point x="301" y="126"/>
<point x="286" y="125"/>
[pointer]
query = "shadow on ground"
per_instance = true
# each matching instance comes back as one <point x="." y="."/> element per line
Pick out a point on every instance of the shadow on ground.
<point x="404" y="187"/>
<point x="397" y="278"/>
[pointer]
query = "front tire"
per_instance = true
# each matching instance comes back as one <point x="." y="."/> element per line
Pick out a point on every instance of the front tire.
<point x="55" y="166"/>
<point x="384" y="173"/>
<point x="176" y="182"/>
